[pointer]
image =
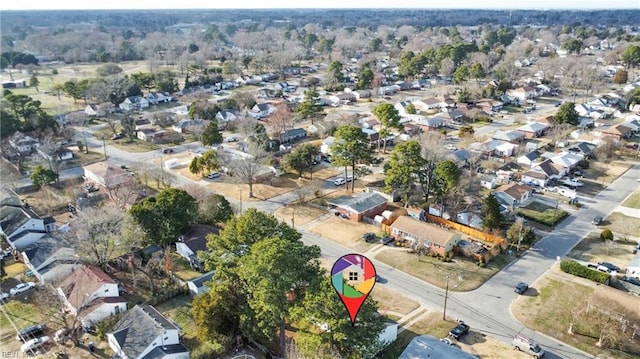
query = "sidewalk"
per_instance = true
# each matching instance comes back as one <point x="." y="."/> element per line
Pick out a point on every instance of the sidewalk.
<point x="628" y="211"/>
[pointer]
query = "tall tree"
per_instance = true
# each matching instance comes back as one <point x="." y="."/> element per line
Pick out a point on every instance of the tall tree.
<point x="631" y="56"/>
<point x="447" y="175"/>
<point x="351" y="147"/>
<point x="301" y="158"/>
<point x="433" y="151"/>
<point x="215" y="210"/>
<point x="403" y="168"/>
<point x="34" y="82"/>
<point x="567" y="114"/>
<point x="388" y="117"/>
<point x="338" y="337"/>
<point x="492" y="213"/>
<point x="165" y="217"/>
<point x="365" y="77"/>
<point x="309" y="107"/>
<point x="206" y="163"/>
<point x="42" y="176"/>
<point x="211" y="135"/>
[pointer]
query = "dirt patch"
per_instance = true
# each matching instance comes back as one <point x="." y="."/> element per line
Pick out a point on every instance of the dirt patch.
<point x="625" y="225"/>
<point x="605" y="173"/>
<point x="392" y="303"/>
<point x="301" y="214"/>
<point x="466" y="274"/>
<point x="345" y="232"/>
<point x="593" y="249"/>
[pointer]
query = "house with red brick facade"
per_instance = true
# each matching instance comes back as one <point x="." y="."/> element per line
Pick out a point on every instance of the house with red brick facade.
<point x="359" y="206"/>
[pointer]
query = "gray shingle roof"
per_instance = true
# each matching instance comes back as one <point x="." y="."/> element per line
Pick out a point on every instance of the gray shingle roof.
<point x="359" y="203"/>
<point x="200" y="281"/>
<point x="508" y="135"/>
<point x="163" y="351"/>
<point x="45" y="248"/>
<point x="12" y="217"/>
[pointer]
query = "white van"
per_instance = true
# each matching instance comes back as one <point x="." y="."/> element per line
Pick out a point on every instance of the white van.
<point x="528" y="346"/>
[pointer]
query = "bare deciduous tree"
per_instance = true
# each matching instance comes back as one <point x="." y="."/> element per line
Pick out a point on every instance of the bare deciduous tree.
<point x="246" y="169"/>
<point x="282" y="119"/>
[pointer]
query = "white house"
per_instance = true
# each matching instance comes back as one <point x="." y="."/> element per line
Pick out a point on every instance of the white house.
<point x="325" y="147"/>
<point x="522" y="93"/>
<point x="197" y="286"/>
<point x="530" y="158"/>
<point x="514" y="194"/>
<point x="18" y="221"/>
<point x="50" y="258"/>
<point x="401" y="107"/>
<point x="261" y="110"/>
<point x="155" y="98"/>
<point x="91" y="294"/>
<point x="183" y="125"/>
<point x="226" y="116"/>
<point x="143" y="332"/>
<point x="23" y="143"/>
<point x="56" y="154"/>
<point x="489" y="182"/>
<point x="534" y="178"/>
<point x="505" y="149"/>
<point x="194" y="241"/>
<point x="134" y="103"/>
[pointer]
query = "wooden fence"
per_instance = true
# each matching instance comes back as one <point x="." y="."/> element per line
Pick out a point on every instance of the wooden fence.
<point x="486" y="237"/>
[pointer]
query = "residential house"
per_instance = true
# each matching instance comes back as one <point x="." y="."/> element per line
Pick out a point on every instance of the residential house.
<point x="193" y="242"/>
<point x="490" y="106"/>
<point x="534" y="178"/>
<point x="582" y="148"/>
<point x="144" y="333"/>
<point x="155" y="98"/>
<point x="460" y="156"/>
<point x="488" y="181"/>
<point x="293" y="135"/>
<point x="362" y="94"/>
<point x="21" y="226"/>
<point x="106" y="175"/>
<point x="453" y="116"/>
<point x="401" y="107"/>
<point x="23" y="143"/>
<point x="514" y="195"/>
<point x="568" y="160"/>
<point x="93" y="110"/>
<point x="151" y="134"/>
<point x="342" y="98"/>
<point x="486" y="148"/>
<point x="262" y="110"/>
<point x="360" y="205"/>
<point x="470" y="220"/>
<point x="183" y="125"/>
<point x="134" y="103"/>
<point x="522" y="93"/>
<point x="438" y="240"/>
<point x="51" y="259"/>
<point x="429" y="104"/>
<point x="91" y="294"/>
<point x="530" y="158"/>
<point x="55" y="154"/>
<point x="551" y="169"/>
<point x="618" y="132"/>
<point x="388" y="90"/>
<point x="374" y="136"/>
<point x="427" y="346"/>
<point x="198" y="285"/>
<point x="509" y="136"/>
<point x="325" y="147"/>
<point x="224" y="117"/>
<point x="430" y="124"/>
<point x="505" y="149"/>
<point x="533" y="129"/>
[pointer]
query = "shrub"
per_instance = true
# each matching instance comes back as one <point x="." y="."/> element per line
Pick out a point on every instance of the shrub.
<point x="577" y="269"/>
<point x="606" y="235"/>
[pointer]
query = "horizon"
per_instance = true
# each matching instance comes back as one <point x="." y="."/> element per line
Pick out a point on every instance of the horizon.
<point x="540" y="5"/>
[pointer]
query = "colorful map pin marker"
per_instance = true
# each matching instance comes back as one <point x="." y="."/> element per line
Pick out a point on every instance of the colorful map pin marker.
<point x="353" y="276"/>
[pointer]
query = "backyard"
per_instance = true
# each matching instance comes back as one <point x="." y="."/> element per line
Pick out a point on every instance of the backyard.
<point x="542" y="213"/>
<point x="468" y="274"/>
<point x="345" y="232"/>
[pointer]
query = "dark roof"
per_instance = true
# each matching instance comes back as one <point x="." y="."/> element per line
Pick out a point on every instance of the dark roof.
<point x="294" y="132"/>
<point x="548" y="167"/>
<point x="533" y="155"/>
<point x="583" y="147"/>
<point x="359" y="203"/>
<point x="196" y="237"/>
<point x="138" y="328"/>
<point x="162" y="351"/>
<point x="200" y="281"/>
<point x="45" y="248"/>
<point x="13" y="217"/>
<point x="426" y="346"/>
<point x="263" y="106"/>
<point x="508" y="135"/>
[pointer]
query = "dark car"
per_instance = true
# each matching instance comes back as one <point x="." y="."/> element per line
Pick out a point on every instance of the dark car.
<point x="167" y="150"/>
<point x="596" y="220"/>
<point x="631" y="280"/>
<point x="609" y="266"/>
<point x="117" y="136"/>
<point x="578" y="173"/>
<point x="459" y="331"/>
<point x="386" y="240"/>
<point x="521" y="287"/>
<point x="369" y="237"/>
<point x="31" y="332"/>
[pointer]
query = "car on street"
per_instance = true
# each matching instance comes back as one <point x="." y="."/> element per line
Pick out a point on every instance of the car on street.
<point x="521" y="288"/>
<point x="34" y="344"/>
<point x="387" y="240"/>
<point x="30" y="332"/>
<point x="339" y="181"/>
<point x="167" y="150"/>
<point x="632" y="280"/>
<point x="369" y="237"/>
<point x="21" y="288"/>
<point x="447" y="341"/>
<point x="597" y="220"/>
<point x="526" y="345"/>
<point x="459" y="330"/>
<point x="117" y="136"/>
<point x="213" y="175"/>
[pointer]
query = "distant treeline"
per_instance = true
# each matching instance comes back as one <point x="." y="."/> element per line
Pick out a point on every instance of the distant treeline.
<point x="157" y="20"/>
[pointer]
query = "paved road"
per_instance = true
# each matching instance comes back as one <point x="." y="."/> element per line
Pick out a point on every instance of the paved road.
<point x="487" y="308"/>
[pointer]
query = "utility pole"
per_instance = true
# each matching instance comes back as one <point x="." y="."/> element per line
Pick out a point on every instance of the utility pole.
<point x="520" y="236"/>
<point x="240" y="200"/>
<point x="446" y="296"/>
<point x="104" y="148"/>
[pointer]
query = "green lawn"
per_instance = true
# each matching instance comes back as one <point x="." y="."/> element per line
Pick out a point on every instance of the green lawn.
<point x="633" y="201"/>
<point x="541" y="213"/>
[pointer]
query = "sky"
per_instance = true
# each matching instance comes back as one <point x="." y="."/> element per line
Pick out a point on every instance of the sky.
<point x="254" y="4"/>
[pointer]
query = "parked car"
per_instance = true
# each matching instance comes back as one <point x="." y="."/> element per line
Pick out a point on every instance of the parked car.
<point x="521" y="288"/>
<point x="230" y="139"/>
<point x="578" y="173"/>
<point x="117" y="136"/>
<point x="167" y="150"/>
<point x="459" y="331"/>
<point x="386" y="240"/>
<point x="528" y="346"/>
<point x="447" y="341"/>
<point x="34" y="344"/>
<point x="4" y="296"/>
<point x="22" y="287"/>
<point x="349" y="178"/>
<point x="369" y="237"/>
<point x="213" y="175"/>
<point x="608" y="267"/>
<point x="339" y="181"/>
<point x="30" y="332"/>
<point x="632" y="280"/>
<point x="597" y="220"/>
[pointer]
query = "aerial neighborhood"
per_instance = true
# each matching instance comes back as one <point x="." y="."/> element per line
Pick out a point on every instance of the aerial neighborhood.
<point x="178" y="184"/>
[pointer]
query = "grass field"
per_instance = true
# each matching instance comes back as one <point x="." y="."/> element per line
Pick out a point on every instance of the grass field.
<point x="593" y="249"/>
<point x="625" y="225"/>
<point x="633" y="201"/>
<point x="541" y="213"/>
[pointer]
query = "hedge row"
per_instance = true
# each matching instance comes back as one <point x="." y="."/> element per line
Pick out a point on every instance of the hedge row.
<point x="577" y="269"/>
